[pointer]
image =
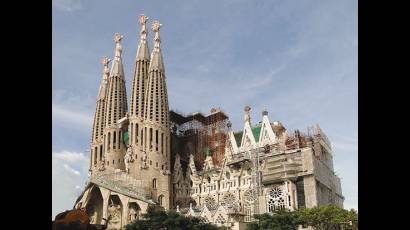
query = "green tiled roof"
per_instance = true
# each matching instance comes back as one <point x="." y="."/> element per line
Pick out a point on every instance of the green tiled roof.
<point x="256" y="131"/>
<point x="238" y="138"/>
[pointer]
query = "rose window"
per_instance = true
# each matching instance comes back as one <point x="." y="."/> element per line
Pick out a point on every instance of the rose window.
<point x="229" y="201"/>
<point x="275" y="193"/>
<point x="275" y="199"/>
<point x="250" y="196"/>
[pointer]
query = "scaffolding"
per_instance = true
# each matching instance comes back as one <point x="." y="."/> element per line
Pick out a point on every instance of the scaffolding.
<point x="200" y="134"/>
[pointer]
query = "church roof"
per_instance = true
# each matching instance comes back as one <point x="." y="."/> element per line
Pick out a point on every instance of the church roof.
<point x="256" y="131"/>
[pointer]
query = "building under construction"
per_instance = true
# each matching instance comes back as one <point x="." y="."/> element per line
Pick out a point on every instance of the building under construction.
<point x="199" y="135"/>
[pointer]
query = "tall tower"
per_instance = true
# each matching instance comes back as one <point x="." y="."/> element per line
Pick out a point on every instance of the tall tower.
<point x="156" y="144"/>
<point x="97" y="140"/>
<point x="116" y="108"/>
<point x="136" y="119"/>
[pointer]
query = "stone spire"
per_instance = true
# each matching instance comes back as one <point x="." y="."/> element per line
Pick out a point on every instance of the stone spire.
<point x="99" y="118"/>
<point x="143" y="51"/>
<point x="156" y="100"/>
<point x="116" y="108"/>
<point x="156" y="132"/>
<point x="139" y="85"/>
<point x="156" y="55"/>
<point x="117" y="68"/>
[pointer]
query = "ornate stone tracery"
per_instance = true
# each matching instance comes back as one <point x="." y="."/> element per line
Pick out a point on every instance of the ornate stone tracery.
<point x="210" y="203"/>
<point x="229" y="201"/>
<point x="275" y="199"/>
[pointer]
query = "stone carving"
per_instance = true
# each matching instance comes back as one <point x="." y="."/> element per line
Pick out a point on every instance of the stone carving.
<point x="275" y="199"/>
<point x="128" y="158"/>
<point x="118" y="48"/>
<point x="144" y="161"/>
<point x="101" y="167"/>
<point x="210" y="203"/>
<point x="247" y="114"/>
<point x="143" y="20"/>
<point x="155" y="28"/>
<point x="132" y="214"/>
<point x="114" y="216"/>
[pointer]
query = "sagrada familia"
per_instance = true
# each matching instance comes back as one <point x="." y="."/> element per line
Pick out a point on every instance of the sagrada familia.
<point x="194" y="164"/>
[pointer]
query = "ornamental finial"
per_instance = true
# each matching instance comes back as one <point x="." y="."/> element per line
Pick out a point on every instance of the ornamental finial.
<point x="105" y="61"/>
<point x="247" y="110"/>
<point x="143" y="20"/>
<point x="155" y="28"/>
<point x="118" y="48"/>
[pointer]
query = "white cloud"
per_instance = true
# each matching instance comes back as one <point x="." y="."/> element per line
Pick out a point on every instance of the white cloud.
<point x="69" y="171"/>
<point x="64" y="114"/>
<point x="71" y="157"/>
<point x="68" y="5"/>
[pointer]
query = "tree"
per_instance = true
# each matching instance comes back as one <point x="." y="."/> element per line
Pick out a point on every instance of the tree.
<point x="157" y="218"/>
<point x="327" y="217"/>
<point x="279" y="220"/>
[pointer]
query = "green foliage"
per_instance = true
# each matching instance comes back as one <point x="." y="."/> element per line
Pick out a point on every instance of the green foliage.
<point x="280" y="220"/>
<point x="157" y="219"/>
<point x="328" y="217"/>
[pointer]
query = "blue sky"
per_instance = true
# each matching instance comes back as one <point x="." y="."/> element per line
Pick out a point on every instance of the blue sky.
<point x="297" y="59"/>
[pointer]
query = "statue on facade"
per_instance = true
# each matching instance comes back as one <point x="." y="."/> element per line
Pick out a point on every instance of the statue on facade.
<point x="114" y="216"/>
<point x="128" y="158"/>
<point x="132" y="215"/>
<point x="118" y="48"/>
<point x="144" y="161"/>
<point x="247" y="114"/>
<point x="143" y="20"/>
<point x="101" y="167"/>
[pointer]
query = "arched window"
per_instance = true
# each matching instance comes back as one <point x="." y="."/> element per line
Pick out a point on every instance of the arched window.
<point x="154" y="183"/>
<point x="160" y="199"/>
<point x="95" y="155"/>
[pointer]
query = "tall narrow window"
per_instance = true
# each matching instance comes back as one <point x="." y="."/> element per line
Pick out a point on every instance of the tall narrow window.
<point x="166" y="146"/>
<point x="154" y="183"/>
<point x="136" y="131"/>
<point x="132" y="133"/>
<point x="109" y="142"/>
<point x="100" y="152"/>
<point x="114" y="139"/>
<point x="95" y="155"/>
<point x="156" y="140"/>
<point x="162" y="143"/>
<point x="142" y="137"/>
<point x="150" y="138"/>
<point x="145" y="143"/>
<point x="119" y="139"/>
<point x="160" y="199"/>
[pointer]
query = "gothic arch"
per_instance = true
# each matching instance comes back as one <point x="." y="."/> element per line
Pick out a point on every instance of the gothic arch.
<point x="115" y="208"/>
<point x="134" y="211"/>
<point x="94" y="206"/>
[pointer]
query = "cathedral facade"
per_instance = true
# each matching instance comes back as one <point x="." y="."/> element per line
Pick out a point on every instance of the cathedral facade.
<point x="195" y="164"/>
